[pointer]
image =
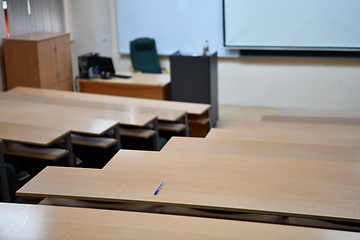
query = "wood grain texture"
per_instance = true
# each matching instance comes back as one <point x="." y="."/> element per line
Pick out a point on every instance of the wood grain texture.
<point x="29" y="222"/>
<point x="273" y="219"/>
<point x="21" y="55"/>
<point x="263" y="149"/>
<point x="109" y="87"/>
<point x="173" y="127"/>
<point x="130" y="110"/>
<point x="31" y="134"/>
<point x="299" y="188"/>
<point x="191" y="108"/>
<point x="285" y="136"/>
<point x="136" y="132"/>
<point x="102" y="142"/>
<point x="51" y="154"/>
<point x="312" y="120"/>
<point x="71" y="108"/>
<point x="146" y="85"/>
<point x="320" y="113"/>
<point x="77" y="124"/>
<point x="32" y="60"/>
<point x="47" y="62"/>
<point x="300" y="127"/>
<point x="62" y="56"/>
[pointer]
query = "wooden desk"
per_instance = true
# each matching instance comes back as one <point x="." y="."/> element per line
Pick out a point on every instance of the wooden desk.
<point x="263" y="149"/>
<point x="77" y="124"/>
<point x="29" y="133"/>
<point x="300" y="127"/>
<point x="24" y="103"/>
<point x="327" y="190"/>
<point x="50" y="222"/>
<point x="98" y="101"/>
<point x="286" y="136"/>
<point x="72" y="108"/>
<point x="4" y="187"/>
<point x="320" y="113"/>
<point x="144" y="85"/>
<point x="36" y="135"/>
<point x="313" y="120"/>
<point x="165" y="110"/>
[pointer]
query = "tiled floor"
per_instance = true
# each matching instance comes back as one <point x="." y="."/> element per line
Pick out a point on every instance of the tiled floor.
<point x="229" y="116"/>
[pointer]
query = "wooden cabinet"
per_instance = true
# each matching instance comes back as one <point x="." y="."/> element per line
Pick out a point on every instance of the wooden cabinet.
<point x="41" y="60"/>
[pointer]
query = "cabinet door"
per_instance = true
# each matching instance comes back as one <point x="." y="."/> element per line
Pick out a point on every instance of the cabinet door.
<point x="21" y="64"/>
<point x="47" y="62"/>
<point x="63" y="58"/>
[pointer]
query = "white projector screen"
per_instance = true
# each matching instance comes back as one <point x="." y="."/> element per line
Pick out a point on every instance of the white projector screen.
<point x="292" y="24"/>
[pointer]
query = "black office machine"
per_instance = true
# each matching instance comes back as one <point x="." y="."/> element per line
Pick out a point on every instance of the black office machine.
<point x="87" y="62"/>
<point x="92" y="65"/>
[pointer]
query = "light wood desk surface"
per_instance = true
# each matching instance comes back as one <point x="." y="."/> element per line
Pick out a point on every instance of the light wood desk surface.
<point x="300" y="127"/>
<point x="22" y="221"/>
<point x="299" y="188"/>
<point x="77" y="124"/>
<point x="312" y="120"/>
<point x="320" y="113"/>
<point x="31" y="134"/>
<point x="92" y="102"/>
<point x="34" y="134"/>
<point x="72" y="108"/>
<point x="285" y="136"/>
<point x="263" y="149"/>
<point x="191" y="108"/>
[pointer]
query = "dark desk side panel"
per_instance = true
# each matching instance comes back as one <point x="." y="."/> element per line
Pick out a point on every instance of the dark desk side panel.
<point x="194" y="79"/>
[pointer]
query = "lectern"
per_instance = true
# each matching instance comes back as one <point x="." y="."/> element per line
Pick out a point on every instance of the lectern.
<point x="194" y="79"/>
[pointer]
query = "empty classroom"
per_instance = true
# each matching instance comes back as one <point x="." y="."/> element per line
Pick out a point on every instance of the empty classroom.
<point x="179" y="119"/>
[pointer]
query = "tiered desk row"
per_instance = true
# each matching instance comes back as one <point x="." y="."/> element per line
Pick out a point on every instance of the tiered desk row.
<point x="262" y="180"/>
<point x="33" y="119"/>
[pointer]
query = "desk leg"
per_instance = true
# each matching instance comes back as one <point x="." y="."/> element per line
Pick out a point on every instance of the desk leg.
<point x="186" y="120"/>
<point x="4" y="190"/>
<point x="209" y="115"/>
<point x="68" y="146"/>
<point x="117" y="136"/>
<point x="156" y="136"/>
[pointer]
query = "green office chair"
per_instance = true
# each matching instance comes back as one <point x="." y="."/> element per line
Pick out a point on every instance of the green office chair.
<point x="144" y="56"/>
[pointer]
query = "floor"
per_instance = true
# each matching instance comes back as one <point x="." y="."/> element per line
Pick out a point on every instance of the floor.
<point x="229" y="116"/>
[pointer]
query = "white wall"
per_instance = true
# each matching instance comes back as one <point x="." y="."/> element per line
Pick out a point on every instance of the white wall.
<point x="290" y="83"/>
<point x="89" y="25"/>
<point x="278" y="83"/>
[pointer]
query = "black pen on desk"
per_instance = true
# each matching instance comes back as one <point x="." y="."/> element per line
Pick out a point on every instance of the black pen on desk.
<point x="157" y="190"/>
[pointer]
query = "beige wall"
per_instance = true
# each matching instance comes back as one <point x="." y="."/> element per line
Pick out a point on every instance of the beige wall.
<point x="278" y="83"/>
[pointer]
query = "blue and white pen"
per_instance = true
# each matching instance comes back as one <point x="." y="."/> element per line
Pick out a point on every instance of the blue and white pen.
<point x="157" y="190"/>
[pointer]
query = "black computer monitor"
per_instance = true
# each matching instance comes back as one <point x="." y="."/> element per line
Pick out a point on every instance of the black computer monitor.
<point x="106" y="66"/>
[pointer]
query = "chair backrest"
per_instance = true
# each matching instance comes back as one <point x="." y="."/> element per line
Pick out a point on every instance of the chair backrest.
<point x="144" y="56"/>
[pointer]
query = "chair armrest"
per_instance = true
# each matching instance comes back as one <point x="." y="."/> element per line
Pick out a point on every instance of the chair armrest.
<point x="166" y="70"/>
<point x="133" y="69"/>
